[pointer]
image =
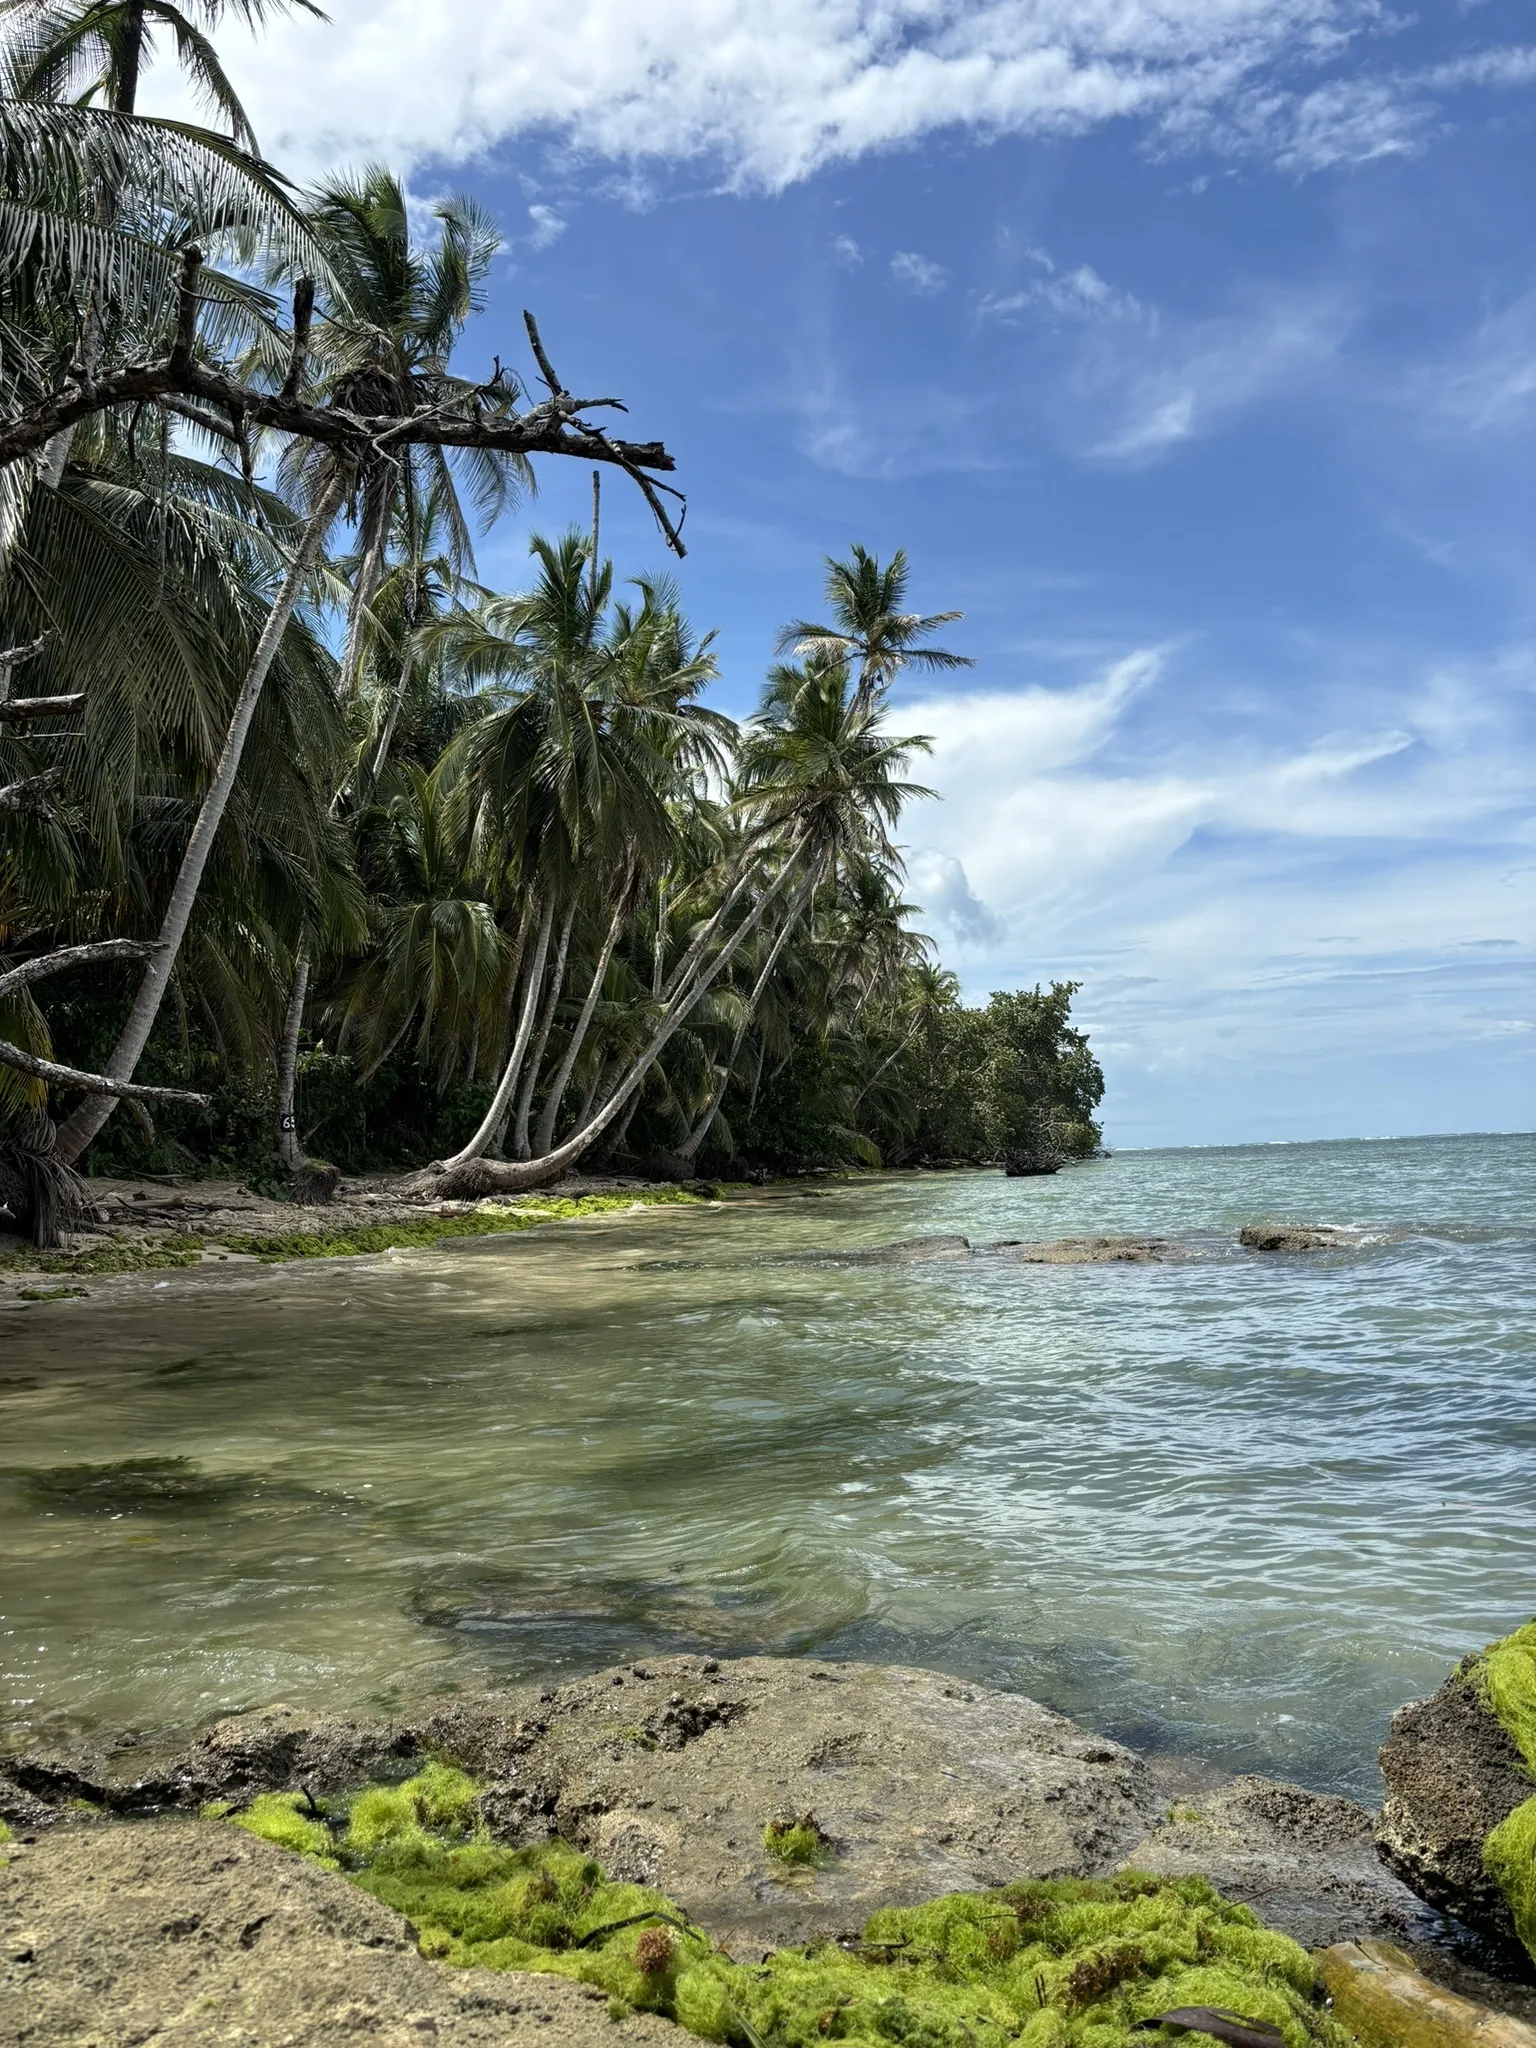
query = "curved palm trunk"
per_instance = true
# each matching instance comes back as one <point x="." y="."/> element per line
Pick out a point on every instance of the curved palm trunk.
<point x="521" y="1145"/>
<point x="288" y="1063"/>
<point x="87" y="1120"/>
<point x="689" y="1149"/>
<point x="491" y="1122"/>
<point x="472" y="1174"/>
<point x="545" y="1136"/>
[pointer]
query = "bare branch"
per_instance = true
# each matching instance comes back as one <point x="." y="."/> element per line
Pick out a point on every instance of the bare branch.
<point x="546" y="369"/>
<point x="30" y="794"/>
<point x="91" y="1084"/>
<point x="22" y="710"/>
<point x="548" y="428"/>
<point x="12" y="657"/>
<point x="64" y="957"/>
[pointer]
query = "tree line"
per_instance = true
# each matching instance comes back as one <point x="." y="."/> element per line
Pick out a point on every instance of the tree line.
<point x="317" y="851"/>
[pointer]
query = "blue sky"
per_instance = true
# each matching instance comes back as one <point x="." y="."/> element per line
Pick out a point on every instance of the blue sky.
<point x="1189" y="347"/>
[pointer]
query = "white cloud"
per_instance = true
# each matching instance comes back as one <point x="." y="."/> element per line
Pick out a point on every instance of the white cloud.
<point x="939" y="885"/>
<point x="548" y="226"/>
<point x="847" y="252"/>
<point x="917" y="273"/>
<point x="1240" y="905"/>
<point x="771" y="90"/>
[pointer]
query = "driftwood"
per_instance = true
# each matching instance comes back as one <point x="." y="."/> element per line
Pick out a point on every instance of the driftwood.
<point x="1383" y="1999"/>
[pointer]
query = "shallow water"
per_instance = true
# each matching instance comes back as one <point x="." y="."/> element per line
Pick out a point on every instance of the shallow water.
<point x="1240" y="1506"/>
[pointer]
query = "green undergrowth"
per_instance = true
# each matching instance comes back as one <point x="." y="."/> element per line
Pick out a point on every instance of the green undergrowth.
<point x="1056" y="1964"/>
<point x="797" y="1841"/>
<point x="487" y="1221"/>
<point x="1508" y="1677"/>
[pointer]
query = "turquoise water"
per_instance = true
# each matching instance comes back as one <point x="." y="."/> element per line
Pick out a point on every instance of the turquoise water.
<point x="1235" y="1505"/>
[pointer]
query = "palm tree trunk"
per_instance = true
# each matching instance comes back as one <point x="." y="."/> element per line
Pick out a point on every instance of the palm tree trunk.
<point x="521" y="1145"/>
<point x="689" y="1149"/>
<point x="369" y="576"/>
<point x="545" y="1136"/>
<point x="87" y="1120"/>
<point x="288" y="1062"/>
<point x="489" y="1124"/>
<point x="600" y="1072"/>
<point x="472" y="1173"/>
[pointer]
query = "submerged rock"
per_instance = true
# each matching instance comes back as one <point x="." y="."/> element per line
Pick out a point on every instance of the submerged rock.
<point x="1288" y="1237"/>
<point x="1086" y="1251"/>
<point x="186" y="1931"/>
<point x="913" y="1250"/>
<point x="1453" y="1774"/>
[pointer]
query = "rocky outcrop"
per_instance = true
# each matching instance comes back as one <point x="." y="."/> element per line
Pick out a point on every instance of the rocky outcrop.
<point x="1452" y="1774"/>
<point x="670" y="1771"/>
<point x="1305" y="1861"/>
<point x="1017" y="1251"/>
<point x="183" y="1931"/>
<point x="1288" y="1237"/>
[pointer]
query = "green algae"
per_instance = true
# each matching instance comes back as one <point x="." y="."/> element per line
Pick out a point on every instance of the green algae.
<point x="1507" y="1676"/>
<point x="293" y="1821"/>
<point x="98" y="1261"/>
<point x="796" y="1841"/>
<point x="131" y="1486"/>
<point x="418" y="1232"/>
<point x="1061" y="1963"/>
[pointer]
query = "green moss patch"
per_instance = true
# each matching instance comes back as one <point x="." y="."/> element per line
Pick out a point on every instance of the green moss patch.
<point x="1059" y="1964"/>
<point x="1507" y="1675"/>
<point x="117" y="1257"/>
<point x="797" y="1841"/>
<point x="487" y="1221"/>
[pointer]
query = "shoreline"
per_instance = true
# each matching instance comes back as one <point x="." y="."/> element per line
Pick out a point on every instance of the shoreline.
<point x="186" y="1225"/>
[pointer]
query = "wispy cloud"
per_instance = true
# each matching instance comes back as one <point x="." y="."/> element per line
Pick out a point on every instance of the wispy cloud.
<point x="917" y="273"/>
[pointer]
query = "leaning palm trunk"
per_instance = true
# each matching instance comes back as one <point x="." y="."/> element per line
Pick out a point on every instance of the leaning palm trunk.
<point x="521" y="1144"/>
<point x="470" y="1174"/>
<point x="545" y="1136"/>
<point x="494" y="1117"/>
<point x="688" y="1151"/>
<point x="87" y="1120"/>
<point x="288" y="1063"/>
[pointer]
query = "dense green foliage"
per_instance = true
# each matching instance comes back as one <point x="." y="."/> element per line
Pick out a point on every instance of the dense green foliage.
<point x="484" y="880"/>
<point x="1064" y="1963"/>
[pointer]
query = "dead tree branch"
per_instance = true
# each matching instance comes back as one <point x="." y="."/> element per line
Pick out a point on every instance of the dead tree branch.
<point x="91" y="1084"/>
<point x="23" y="710"/>
<point x="64" y="957"/>
<point x="30" y="794"/>
<point x="205" y="394"/>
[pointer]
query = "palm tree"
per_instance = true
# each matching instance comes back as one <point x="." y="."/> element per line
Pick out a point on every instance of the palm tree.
<point x="385" y="349"/>
<point x="870" y="625"/>
<point x="98" y="50"/>
<point x="569" y="780"/>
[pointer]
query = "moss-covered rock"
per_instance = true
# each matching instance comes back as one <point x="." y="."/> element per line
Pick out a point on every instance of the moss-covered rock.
<point x="1065" y="1963"/>
<point x="1459" y="1820"/>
